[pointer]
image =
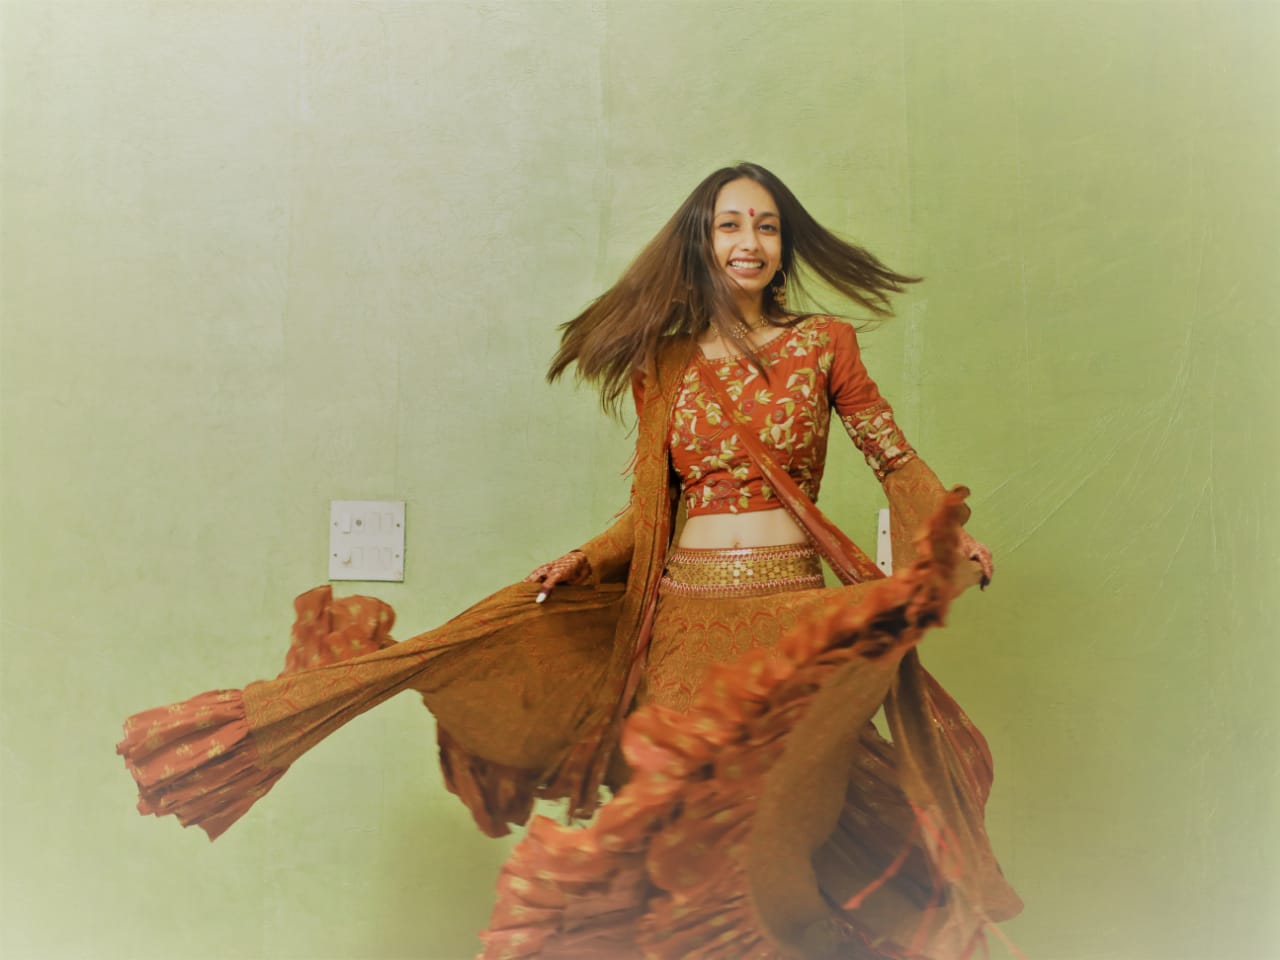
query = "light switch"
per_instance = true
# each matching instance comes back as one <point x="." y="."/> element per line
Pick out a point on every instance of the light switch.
<point x="366" y="540"/>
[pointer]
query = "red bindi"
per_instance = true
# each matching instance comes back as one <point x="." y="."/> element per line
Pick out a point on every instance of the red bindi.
<point x="751" y="211"/>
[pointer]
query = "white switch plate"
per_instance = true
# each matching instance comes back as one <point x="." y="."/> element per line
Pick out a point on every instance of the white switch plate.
<point x="366" y="540"/>
<point x="884" y="544"/>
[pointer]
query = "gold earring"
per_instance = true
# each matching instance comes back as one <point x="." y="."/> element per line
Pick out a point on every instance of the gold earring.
<point x="780" y="291"/>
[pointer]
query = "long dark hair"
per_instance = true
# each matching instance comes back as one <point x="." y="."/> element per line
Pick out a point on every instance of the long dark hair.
<point x="675" y="287"/>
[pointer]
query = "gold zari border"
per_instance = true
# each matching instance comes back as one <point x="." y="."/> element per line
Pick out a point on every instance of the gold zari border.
<point x="741" y="571"/>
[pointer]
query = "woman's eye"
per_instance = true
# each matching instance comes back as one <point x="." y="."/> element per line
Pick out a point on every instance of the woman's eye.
<point x="769" y="227"/>
<point x="728" y="225"/>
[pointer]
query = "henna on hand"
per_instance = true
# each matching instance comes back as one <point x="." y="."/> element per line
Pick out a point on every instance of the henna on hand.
<point x="573" y="568"/>
<point x="977" y="551"/>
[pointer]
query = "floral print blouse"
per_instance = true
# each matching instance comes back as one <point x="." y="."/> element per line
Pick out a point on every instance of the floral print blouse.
<point x="813" y="368"/>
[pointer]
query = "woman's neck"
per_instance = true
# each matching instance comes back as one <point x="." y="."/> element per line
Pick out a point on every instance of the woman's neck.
<point x="752" y="309"/>
<point x="752" y="328"/>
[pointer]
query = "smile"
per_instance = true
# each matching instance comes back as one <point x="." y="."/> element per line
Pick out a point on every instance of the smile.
<point x="746" y="264"/>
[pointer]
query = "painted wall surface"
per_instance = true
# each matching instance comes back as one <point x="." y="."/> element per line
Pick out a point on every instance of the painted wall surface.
<point x="261" y="256"/>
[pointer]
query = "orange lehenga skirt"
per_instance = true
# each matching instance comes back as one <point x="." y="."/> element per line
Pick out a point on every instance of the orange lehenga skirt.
<point x="763" y="816"/>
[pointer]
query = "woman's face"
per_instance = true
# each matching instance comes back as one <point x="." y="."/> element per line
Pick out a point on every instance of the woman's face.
<point x="746" y="237"/>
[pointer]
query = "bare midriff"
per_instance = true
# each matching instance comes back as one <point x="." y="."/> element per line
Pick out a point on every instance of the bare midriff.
<point x="723" y="531"/>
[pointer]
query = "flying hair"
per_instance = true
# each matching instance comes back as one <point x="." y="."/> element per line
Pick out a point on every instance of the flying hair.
<point x="675" y="287"/>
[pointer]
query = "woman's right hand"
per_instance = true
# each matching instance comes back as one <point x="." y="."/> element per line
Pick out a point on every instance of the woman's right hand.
<point x="978" y="555"/>
<point x="572" y="568"/>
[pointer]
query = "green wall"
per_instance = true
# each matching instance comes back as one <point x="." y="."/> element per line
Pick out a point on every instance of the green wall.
<point x="260" y="256"/>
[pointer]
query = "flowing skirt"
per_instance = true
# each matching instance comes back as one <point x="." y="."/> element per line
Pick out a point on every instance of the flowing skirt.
<point x="763" y="815"/>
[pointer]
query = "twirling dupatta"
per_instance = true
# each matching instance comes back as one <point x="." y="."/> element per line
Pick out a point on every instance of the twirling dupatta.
<point x="528" y="698"/>
<point x="645" y="537"/>
<point x="530" y="701"/>
<point x="945" y="766"/>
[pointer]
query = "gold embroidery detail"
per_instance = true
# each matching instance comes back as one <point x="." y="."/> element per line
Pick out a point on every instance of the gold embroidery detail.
<point x="742" y="571"/>
<point x="717" y="473"/>
<point x="879" y="438"/>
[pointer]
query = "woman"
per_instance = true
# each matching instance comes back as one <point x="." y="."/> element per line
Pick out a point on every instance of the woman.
<point x="756" y="810"/>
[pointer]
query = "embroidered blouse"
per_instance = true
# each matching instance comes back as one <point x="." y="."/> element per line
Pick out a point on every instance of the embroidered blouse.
<point x="814" y="367"/>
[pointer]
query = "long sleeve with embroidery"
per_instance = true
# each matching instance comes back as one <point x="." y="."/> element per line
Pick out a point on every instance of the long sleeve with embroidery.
<point x="913" y="490"/>
<point x="866" y="415"/>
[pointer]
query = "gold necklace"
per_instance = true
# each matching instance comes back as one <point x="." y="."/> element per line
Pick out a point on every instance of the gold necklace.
<point x="744" y="329"/>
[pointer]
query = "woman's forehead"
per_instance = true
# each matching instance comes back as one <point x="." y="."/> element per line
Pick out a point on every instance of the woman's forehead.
<point x="745" y="196"/>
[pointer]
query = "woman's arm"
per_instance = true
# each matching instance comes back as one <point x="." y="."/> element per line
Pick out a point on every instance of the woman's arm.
<point x="913" y="490"/>
<point x="609" y="553"/>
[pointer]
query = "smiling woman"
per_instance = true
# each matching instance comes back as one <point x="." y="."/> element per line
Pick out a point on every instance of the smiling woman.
<point x="689" y="658"/>
<point x="747" y="241"/>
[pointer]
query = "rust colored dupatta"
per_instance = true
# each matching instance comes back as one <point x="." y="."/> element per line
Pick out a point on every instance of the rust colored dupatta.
<point x="528" y="698"/>
<point x="943" y="760"/>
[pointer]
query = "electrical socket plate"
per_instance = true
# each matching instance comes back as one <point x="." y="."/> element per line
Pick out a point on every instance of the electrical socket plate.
<point x="366" y="540"/>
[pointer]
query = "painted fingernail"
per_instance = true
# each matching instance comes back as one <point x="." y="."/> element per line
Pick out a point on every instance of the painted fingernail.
<point x="541" y="597"/>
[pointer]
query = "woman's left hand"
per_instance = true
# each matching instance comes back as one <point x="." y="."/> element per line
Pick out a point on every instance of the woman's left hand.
<point x="977" y="551"/>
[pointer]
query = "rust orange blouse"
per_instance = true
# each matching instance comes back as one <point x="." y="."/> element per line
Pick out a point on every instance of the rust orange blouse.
<point x="814" y="368"/>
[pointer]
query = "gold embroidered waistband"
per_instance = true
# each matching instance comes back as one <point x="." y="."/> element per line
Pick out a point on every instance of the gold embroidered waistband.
<point x="742" y="571"/>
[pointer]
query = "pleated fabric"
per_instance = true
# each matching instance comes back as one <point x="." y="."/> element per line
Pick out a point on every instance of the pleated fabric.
<point x="765" y="816"/>
<point x="757" y="813"/>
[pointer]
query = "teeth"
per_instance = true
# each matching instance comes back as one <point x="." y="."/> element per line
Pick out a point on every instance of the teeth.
<point x="746" y="263"/>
